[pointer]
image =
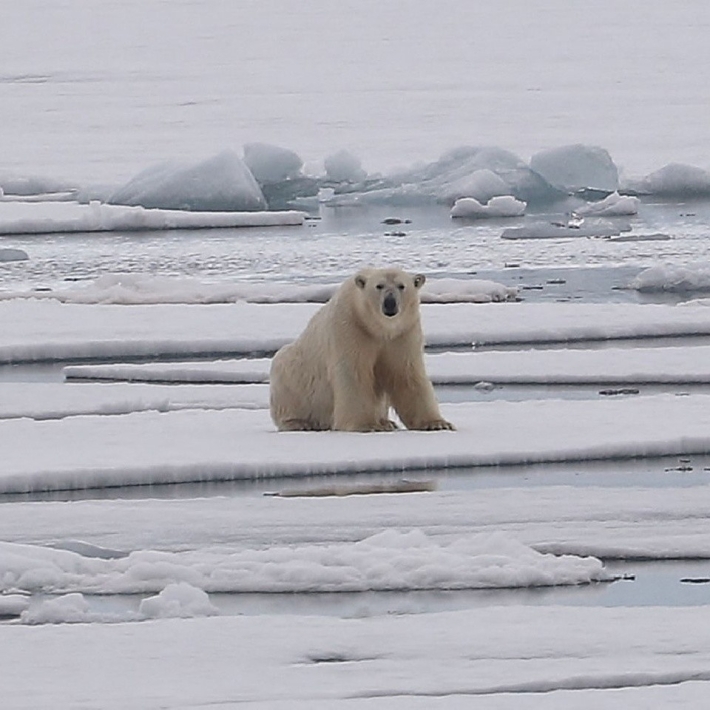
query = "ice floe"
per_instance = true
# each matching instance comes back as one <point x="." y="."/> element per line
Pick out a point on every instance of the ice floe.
<point x="13" y="255"/>
<point x="675" y="180"/>
<point x="72" y="217"/>
<point x="571" y="229"/>
<point x="269" y="163"/>
<point x="222" y="183"/>
<point x="108" y="397"/>
<point x="137" y="288"/>
<point x="387" y="561"/>
<point x="546" y="366"/>
<point x="48" y="330"/>
<point x="613" y="205"/>
<point x="574" y="168"/>
<point x="502" y="206"/>
<point x="676" y="279"/>
<point x="344" y="167"/>
<point x="236" y="444"/>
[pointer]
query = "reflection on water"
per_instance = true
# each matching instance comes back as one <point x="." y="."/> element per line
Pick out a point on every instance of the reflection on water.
<point x="661" y="472"/>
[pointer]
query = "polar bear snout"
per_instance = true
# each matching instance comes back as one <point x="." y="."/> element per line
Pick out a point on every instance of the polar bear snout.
<point x="390" y="307"/>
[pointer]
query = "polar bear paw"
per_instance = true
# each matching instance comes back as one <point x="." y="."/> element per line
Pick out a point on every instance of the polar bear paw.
<point x="437" y="425"/>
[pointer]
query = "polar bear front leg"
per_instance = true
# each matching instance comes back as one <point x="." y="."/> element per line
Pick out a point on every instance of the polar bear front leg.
<point x="356" y="404"/>
<point x="414" y="400"/>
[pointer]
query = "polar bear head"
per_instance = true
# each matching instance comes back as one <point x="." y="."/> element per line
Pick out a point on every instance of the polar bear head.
<point x="388" y="298"/>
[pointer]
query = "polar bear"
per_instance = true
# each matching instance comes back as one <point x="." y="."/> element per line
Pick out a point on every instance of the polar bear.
<point x="359" y="355"/>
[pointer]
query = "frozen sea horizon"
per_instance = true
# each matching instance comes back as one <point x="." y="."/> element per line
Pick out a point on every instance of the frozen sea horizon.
<point x="126" y="85"/>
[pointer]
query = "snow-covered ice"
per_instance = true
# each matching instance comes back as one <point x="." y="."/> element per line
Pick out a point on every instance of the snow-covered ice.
<point x="69" y="217"/>
<point x="549" y="366"/>
<point x="677" y="279"/>
<point x="588" y="227"/>
<point x="613" y="205"/>
<point x="502" y="206"/>
<point x="431" y="105"/>
<point x="136" y="288"/>
<point x="47" y="330"/>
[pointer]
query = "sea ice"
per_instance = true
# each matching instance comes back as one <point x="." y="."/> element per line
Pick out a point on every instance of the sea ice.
<point x="388" y="560"/>
<point x="72" y="217"/>
<point x="459" y="173"/>
<point x="178" y="599"/>
<point x="503" y="206"/>
<point x="34" y="185"/>
<point x="222" y="183"/>
<point x="13" y="255"/>
<point x="343" y="166"/>
<point x="270" y="163"/>
<point x="675" y="279"/>
<point x="530" y="366"/>
<point x="37" y="329"/>
<point x="137" y="288"/>
<point x="578" y="167"/>
<point x="589" y="227"/>
<point x="613" y="205"/>
<point x="674" y="180"/>
<point x="483" y="185"/>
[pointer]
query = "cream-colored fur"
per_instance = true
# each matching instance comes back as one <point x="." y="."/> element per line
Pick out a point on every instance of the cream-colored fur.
<point x="360" y="354"/>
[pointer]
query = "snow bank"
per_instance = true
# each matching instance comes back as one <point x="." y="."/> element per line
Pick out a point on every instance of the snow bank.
<point x="136" y="288"/>
<point x="222" y="183"/>
<point x="573" y="168"/>
<point x="68" y="217"/>
<point x="676" y="279"/>
<point x="613" y="205"/>
<point x="387" y="561"/>
<point x="503" y="206"/>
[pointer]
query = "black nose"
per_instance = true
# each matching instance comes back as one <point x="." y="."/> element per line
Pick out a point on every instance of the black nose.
<point x="389" y="305"/>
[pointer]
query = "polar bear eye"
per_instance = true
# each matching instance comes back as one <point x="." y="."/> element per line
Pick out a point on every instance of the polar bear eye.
<point x="379" y="287"/>
<point x="400" y="287"/>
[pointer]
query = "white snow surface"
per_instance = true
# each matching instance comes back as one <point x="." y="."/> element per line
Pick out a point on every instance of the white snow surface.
<point x="45" y="329"/>
<point x="230" y="444"/>
<point x="629" y="657"/>
<point x="68" y="217"/>
<point x="387" y="561"/>
<point x="528" y="366"/>
<point x="124" y="85"/>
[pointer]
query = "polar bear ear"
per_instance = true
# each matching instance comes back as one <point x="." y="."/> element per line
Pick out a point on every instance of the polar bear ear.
<point x="360" y="280"/>
<point x="419" y="280"/>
